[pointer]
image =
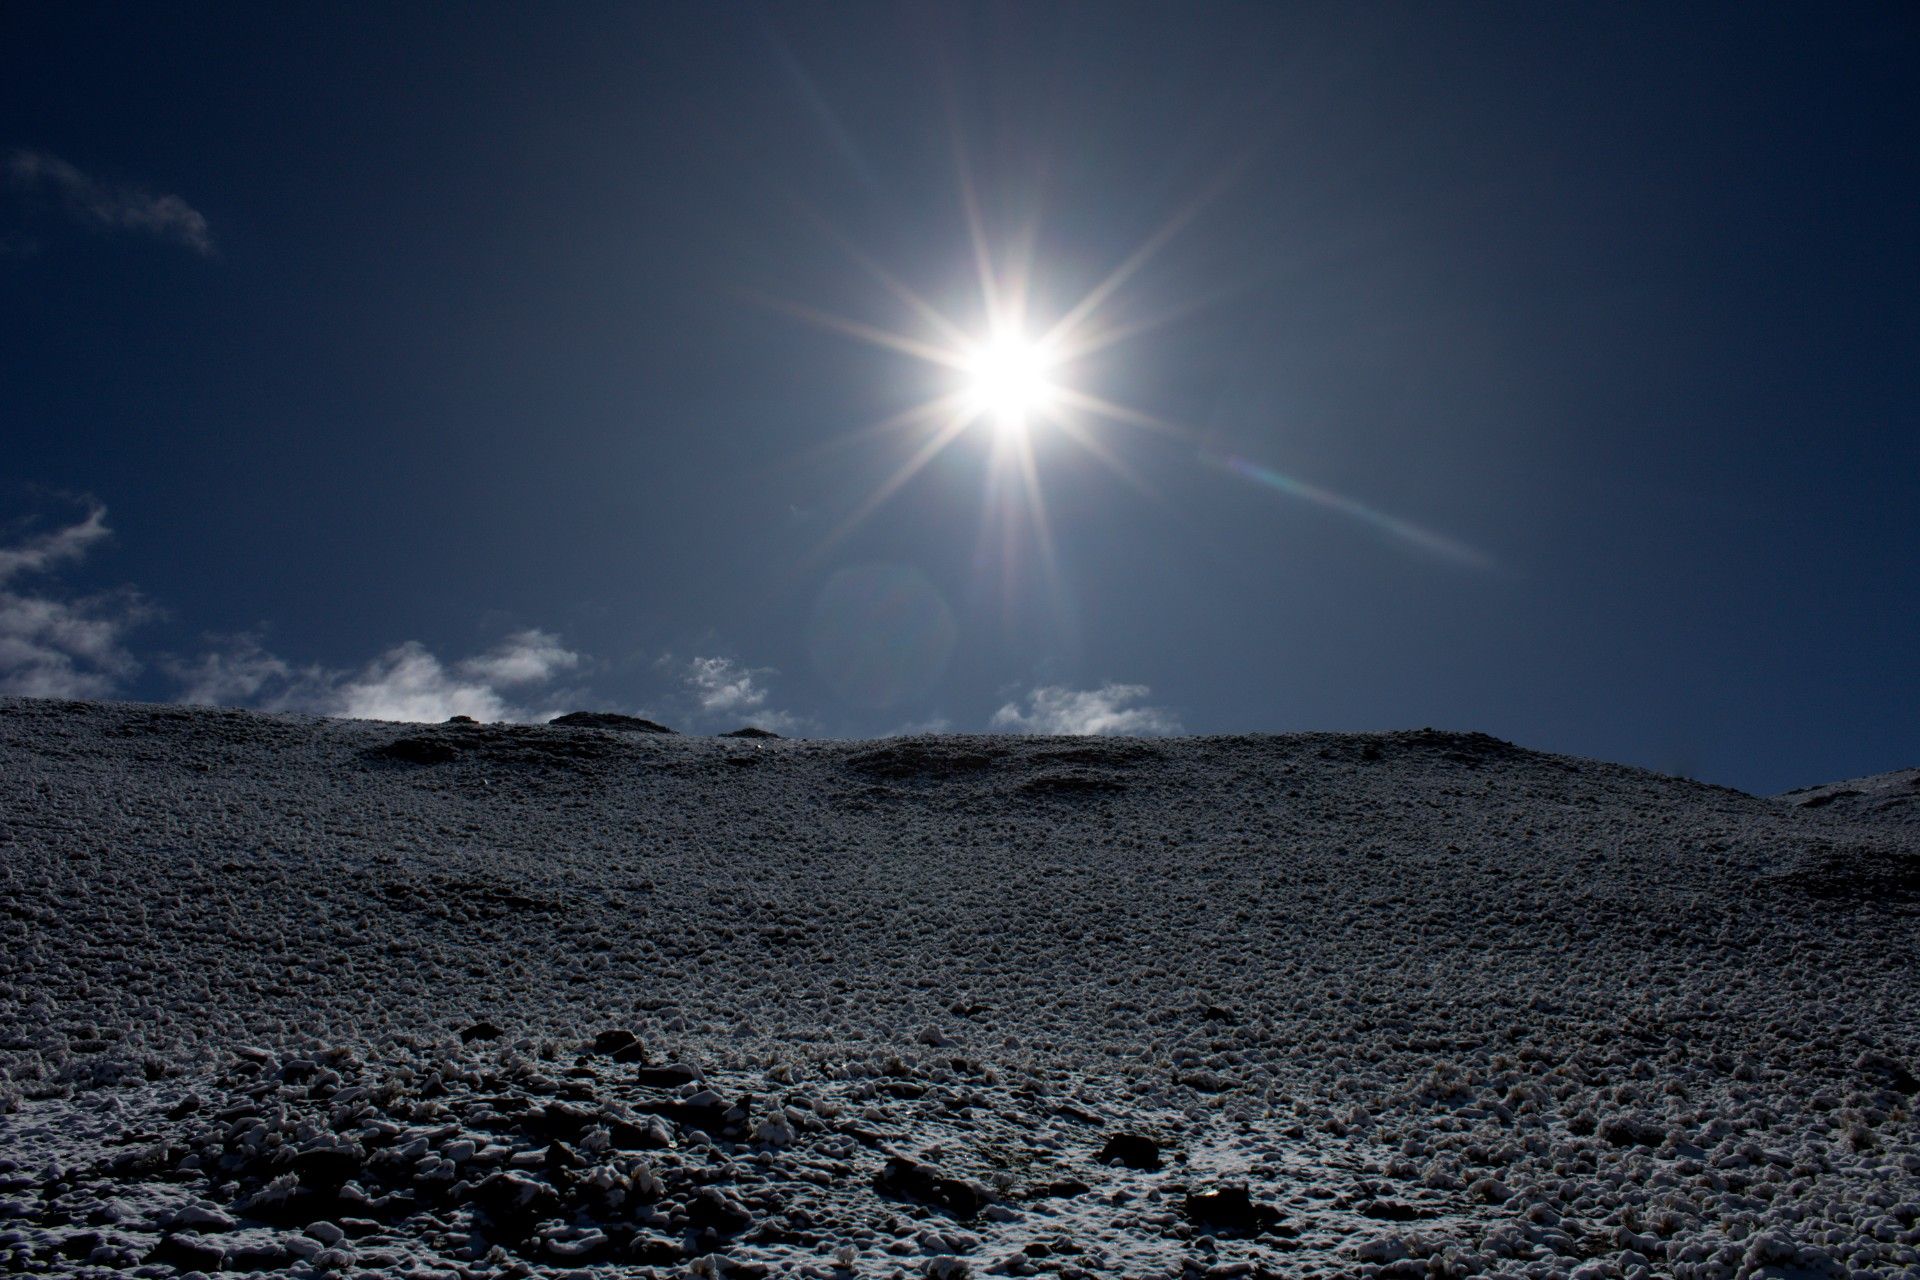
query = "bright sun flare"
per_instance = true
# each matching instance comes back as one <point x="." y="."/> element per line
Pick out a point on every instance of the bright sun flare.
<point x="1007" y="382"/>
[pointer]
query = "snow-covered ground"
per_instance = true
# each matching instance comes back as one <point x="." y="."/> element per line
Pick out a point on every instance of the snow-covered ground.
<point x="308" y="997"/>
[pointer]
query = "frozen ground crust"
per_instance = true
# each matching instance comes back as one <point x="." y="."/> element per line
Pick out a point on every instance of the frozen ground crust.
<point x="1439" y="1005"/>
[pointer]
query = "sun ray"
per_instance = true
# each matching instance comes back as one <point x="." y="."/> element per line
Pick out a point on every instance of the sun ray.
<point x="1129" y="266"/>
<point x="865" y="332"/>
<point x="927" y="452"/>
<point x="1104" y="453"/>
<point x="1123" y="413"/>
<point x="931" y="315"/>
<point x="907" y="419"/>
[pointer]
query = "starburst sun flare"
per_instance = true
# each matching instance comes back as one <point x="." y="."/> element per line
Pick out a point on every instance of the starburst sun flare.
<point x="1011" y="377"/>
<point x="1009" y="380"/>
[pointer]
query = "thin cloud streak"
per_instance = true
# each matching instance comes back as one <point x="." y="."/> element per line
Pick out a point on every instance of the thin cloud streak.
<point x="108" y="206"/>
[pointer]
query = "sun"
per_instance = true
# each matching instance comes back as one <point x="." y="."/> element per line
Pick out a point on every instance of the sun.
<point x="1008" y="381"/>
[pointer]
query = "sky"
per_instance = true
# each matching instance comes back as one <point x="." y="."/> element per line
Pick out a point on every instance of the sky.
<point x="1548" y="371"/>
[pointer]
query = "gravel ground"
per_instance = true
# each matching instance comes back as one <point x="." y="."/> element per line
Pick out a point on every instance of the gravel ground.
<point x="312" y="997"/>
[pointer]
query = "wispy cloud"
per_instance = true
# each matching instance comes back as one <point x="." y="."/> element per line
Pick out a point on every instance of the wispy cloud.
<point x="723" y="688"/>
<point x="109" y="206"/>
<point x="55" y="646"/>
<point x="50" y="550"/>
<point x="238" y="674"/>
<point x="1106" y="710"/>
<point x="408" y="682"/>
<point x="722" y="685"/>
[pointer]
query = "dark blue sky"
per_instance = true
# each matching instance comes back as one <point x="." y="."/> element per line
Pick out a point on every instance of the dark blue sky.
<point x="1576" y="347"/>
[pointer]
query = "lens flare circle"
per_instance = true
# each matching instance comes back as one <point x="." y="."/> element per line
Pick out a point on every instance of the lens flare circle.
<point x="1009" y="380"/>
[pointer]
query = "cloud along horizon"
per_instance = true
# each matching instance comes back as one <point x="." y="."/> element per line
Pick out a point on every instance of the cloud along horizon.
<point x="56" y="646"/>
<point x="1108" y="710"/>
<point x="62" y="645"/>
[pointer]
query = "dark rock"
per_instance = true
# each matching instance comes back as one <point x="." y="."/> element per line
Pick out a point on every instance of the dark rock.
<point x="751" y="731"/>
<point x="561" y="1156"/>
<point x="258" y="1255"/>
<point x="711" y="1207"/>
<point x="929" y="760"/>
<point x="482" y="1030"/>
<point x="630" y="1133"/>
<point x="143" y="1163"/>
<point x="1214" y="1013"/>
<point x="1059" y="1189"/>
<point x="1631" y="1131"/>
<point x="513" y="1202"/>
<point x="608" y="720"/>
<point x="1136" y="1151"/>
<point x="668" y="1076"/>
<point x="561" y="1120"/>
<point x="327" y="1166"/>
<point x="183" y="1108"/>
<point x="80" y="1244"/>
<point x="418" y="750"/>
<point x="1888" y="1073"/>
<point x="657" y="1251"/>
<point x="911" y="1180"/>
<point x="1394" y="1211"/>
<point x="580" y="1252"/>
<point x="1230" y="1208"/>
<point x="188" y="1253"/>
<point x="461" y="720"/>
<point x="705" y="1111"/>
<point x="1826" y="798"/>
<point x="613" y="1042"/>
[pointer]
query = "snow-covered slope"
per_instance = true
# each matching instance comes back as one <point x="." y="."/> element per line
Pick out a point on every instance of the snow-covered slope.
<point x="1882" y="797"/>
<point x="300" y="996"/>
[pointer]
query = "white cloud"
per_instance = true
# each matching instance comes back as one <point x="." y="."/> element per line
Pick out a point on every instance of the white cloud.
<point x="722" y="685"/>
<point x="101" y="204"/>
<point x="55" y="647"/>
<point x="525" y="657"/>
<point x="231" y="677"/>
<point x="37" y="555"/>
<point x="407" y="682"/>
<point x="1106" y="710"/>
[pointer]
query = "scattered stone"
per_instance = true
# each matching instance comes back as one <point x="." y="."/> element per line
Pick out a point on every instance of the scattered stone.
<point x="667" y="1076"/>
<point x="1230" y="1208"/>
<point x="713" y="1208"/>
<point x="188" y="1252"/>
<point x="616" y="1042"/>
<point x="910" y="1180"/>
<point x="1134" y="1150"/>
<point x="513" y="1202"/>
<point x="1059" y="1189"/>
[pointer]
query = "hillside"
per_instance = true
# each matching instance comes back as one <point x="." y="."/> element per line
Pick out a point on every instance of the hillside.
<point x="300" y="995"/>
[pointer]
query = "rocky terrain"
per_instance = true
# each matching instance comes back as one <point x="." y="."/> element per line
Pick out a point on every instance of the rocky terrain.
<point x="304" y="997"/>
